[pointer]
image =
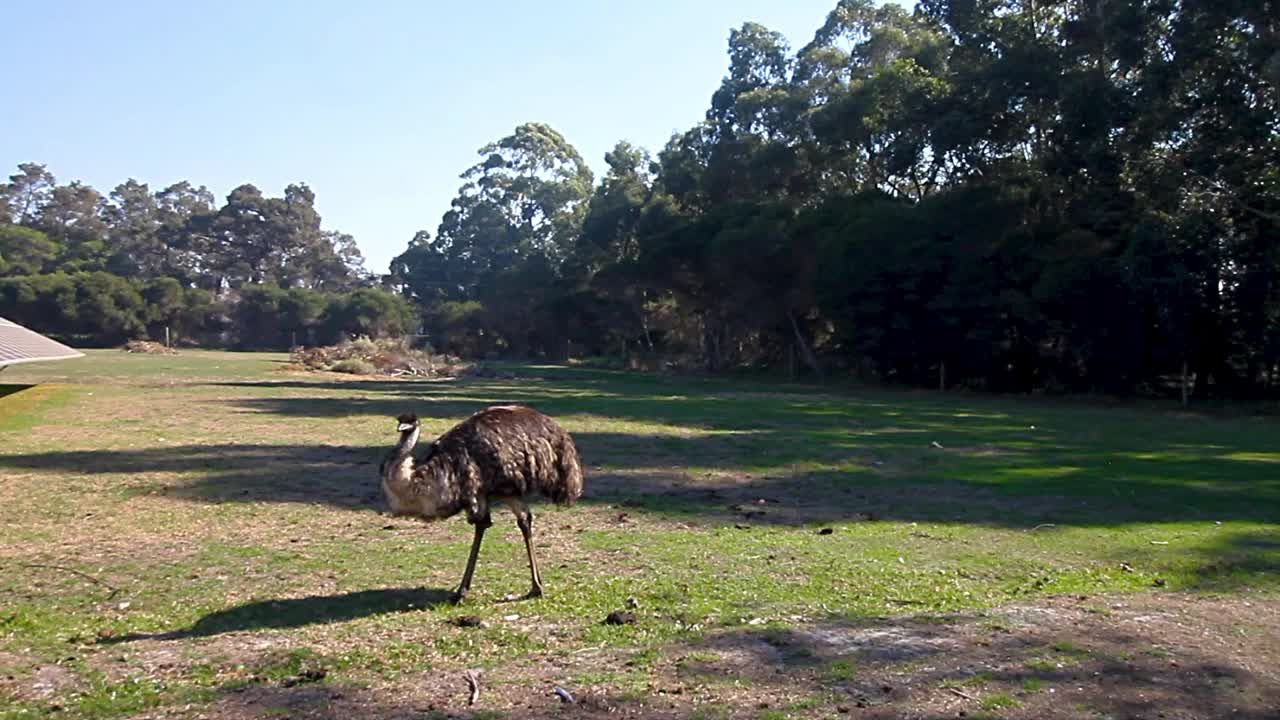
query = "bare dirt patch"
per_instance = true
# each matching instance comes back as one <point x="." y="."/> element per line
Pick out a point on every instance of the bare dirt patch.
<point x="1153" y="656"/>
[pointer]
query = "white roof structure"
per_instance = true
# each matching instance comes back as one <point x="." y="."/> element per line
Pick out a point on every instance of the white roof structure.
<point x="20" y="345"/>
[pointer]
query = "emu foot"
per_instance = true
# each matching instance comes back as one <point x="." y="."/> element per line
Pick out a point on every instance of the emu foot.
<point x="458" y="596"/>
<point x="533" y="593"/>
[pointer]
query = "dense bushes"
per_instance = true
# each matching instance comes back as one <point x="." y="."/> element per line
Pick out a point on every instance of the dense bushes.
<point x="101" y="309"/>
<point x="269" y="317"/>
<point x="98" y="270"/>
<point x="88" y="308"/>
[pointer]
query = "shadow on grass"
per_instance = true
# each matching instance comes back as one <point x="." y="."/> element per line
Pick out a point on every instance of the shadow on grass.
<point x="1240" y="560"/>
<point x="1061" y="658"/>
<point x="298" y="612"/>
<point x="11" y="388"/>
<point x="1058" y="658"/>
<point x="727" y="478"/>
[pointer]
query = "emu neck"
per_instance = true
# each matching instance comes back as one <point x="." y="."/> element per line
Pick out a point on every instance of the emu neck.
<point x="421" y="490"/>
<point x="400" y="455"/>
<point x="408" y="439"/>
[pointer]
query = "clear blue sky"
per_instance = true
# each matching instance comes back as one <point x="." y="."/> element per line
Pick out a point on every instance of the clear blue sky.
<point x="377" y="106"/>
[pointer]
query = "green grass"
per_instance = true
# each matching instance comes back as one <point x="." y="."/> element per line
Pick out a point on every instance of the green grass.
<point x="842" y="671"/>
<point x="977" y="680"/>
<point x="223" y="499"/>
<point x="998" y="701"/>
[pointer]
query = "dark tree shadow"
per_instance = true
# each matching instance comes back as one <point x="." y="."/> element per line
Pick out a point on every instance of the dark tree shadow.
<point x="337" y="475"/>
<point x="649" y="473"/>
<point x="998" y="465"/>
<point x="298" y="612"/>
<point x="1237" y="561"/>
<point x="1055" y="659"/>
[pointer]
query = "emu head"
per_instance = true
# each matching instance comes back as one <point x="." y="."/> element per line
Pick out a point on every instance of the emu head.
<point x="407" y="421"/>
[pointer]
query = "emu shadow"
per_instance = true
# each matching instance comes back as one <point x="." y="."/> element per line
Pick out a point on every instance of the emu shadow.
<point x="298" y="612"/>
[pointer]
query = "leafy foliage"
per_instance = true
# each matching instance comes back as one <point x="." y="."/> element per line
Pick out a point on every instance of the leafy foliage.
<point x="1006" y="195"/>
<point x="257" y="272"/>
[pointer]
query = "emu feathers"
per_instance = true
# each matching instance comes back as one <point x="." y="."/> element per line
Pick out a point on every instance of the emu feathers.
<point x="507" y="453"/>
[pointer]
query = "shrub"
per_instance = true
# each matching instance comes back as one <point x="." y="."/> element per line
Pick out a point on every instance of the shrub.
<point x="354" y="366"/>
<point x="366" y="356"/>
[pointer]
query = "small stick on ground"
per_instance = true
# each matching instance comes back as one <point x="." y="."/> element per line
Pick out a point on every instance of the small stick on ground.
<point x="961" y="693"/>
<point x="77" y="573"/>
<point x="563" y="694"/>
<point x="474" y="683"/>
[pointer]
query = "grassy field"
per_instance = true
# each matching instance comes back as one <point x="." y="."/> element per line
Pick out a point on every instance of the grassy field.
<point x="201" y="535"/>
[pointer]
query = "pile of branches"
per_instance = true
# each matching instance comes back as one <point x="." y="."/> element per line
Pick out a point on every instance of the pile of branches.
<point x="365" y="356"/>
<point x="148" y="347"/>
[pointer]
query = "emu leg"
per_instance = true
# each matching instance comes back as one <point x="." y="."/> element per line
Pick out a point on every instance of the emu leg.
<point x="481" y="525"/>
<point x="524" y="518"/>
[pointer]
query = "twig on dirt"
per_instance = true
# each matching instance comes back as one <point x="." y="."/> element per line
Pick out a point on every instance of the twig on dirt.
<point x="563" y="694"/>
<point x="474" y="683"/>
<point x="959" y="692"/>
<point x="1044" y="525"/>
<point x="77" y="573"/>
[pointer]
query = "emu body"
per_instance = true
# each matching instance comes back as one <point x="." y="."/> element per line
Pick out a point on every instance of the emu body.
<point x="507" y="453"/>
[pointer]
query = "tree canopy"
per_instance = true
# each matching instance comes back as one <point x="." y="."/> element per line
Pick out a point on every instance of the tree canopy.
<point x="258" y="271"/>
<point x="1003" y="194"/>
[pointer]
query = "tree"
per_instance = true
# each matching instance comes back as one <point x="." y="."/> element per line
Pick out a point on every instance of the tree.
<point x="609" y="227"/>
<point x="514" y="225"/>
<point x="255" y="239"/>
<point x="72" y="216"/>
<point x="183" y="212"/>
<point x="26" y="193"/>
<point x="133" y="237"/>
<point x="24" y="251"/>
<point x="257" y="316"/>
<point x="131" y="264"/>
<point x="425" y="272"/>
<point x="525" y="199"/>
<point x="369" y="311"/>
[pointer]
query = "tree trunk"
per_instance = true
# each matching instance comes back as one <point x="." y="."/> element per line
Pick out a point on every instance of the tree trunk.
<point x="805" y="351"/>
<point x="644" y="325"/>
<point x="1186" y="385"/>
<point x="710" y="342"/>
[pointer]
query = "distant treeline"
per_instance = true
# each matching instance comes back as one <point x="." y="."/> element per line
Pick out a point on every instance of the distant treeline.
<point x="98" y="270"/>
<point x="97" y="308"/>
<point x="1073" y="196"/>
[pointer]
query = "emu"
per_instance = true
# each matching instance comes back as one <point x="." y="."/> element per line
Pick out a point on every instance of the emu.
<point x="505" y="453"/>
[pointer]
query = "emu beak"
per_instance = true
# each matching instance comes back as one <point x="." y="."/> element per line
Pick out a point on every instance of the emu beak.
<point x="404" y="426"/>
